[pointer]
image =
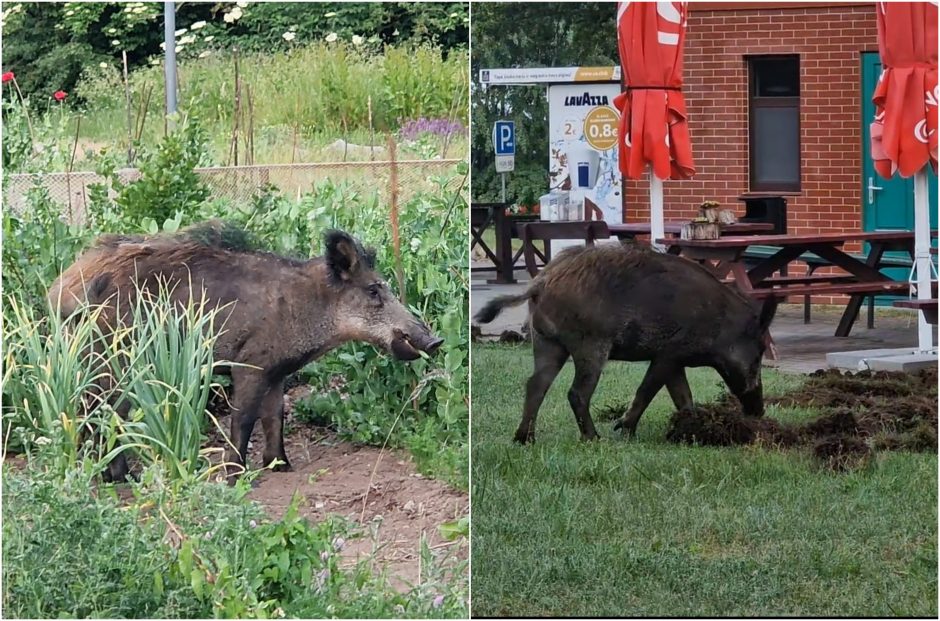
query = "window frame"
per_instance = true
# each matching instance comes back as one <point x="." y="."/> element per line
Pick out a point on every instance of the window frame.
<point x="753" y="102"/>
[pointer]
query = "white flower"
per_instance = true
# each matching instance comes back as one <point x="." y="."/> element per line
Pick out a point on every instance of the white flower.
<point x="395" y="34"/>
<point x="154" y="61"/>
<point x="288" y="36"/>
<point x="69" y="13"/>
<point x="178" y="48"/>
<point x="357" y="40"/>
<point x="115" y="43"/>
<point x="112" y="30"/>
<point x="43" y="441"/>
<point x="236" y="13"/>
<point x="415" y="244"/>
<point x="330" y="14"/>
<point x="179" y="32"/>
<point x="198" y="25"/>
<point x="332" y="37"/>
<point x="204" y="54"/>
<point x="138" y="9"/>
<point x="241" y="4"/>
<point x="188" y="39"/>
<point x="209" y="38"/>
<point x="103" y="65"/>
<point x="163" y="46"/>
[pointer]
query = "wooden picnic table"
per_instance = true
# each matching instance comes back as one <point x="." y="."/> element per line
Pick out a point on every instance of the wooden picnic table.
<point x="674" y="228"/>
<point x="724" y="257"/>
<point x="591" y="230"/>
<point x="505" y="228"/>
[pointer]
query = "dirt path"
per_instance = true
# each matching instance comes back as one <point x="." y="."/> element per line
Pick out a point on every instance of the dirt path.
<point x="334" y="476"/>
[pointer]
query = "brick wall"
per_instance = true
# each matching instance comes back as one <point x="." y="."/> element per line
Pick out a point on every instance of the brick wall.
<point x="829" y="41"/>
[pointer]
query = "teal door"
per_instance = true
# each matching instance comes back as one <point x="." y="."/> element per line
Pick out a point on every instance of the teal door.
<point x="887" y="204"/>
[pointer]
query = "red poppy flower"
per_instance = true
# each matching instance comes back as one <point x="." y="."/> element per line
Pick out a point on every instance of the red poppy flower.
<point x="6" y="77"/>
<point x="59" y="95"/>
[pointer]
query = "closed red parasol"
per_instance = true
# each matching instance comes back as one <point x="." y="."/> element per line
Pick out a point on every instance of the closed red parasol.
<point x="904" y="132"/>
<point x="653" y="124"/>
<point x="654" y="130"/>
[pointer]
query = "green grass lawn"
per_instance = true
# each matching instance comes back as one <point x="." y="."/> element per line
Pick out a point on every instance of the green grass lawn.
<point x="648" y="528"/>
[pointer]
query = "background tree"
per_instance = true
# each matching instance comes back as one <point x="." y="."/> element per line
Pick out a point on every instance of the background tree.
<point x="523" y="34"/>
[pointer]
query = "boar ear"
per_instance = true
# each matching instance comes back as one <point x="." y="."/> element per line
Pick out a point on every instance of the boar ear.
<point x="344" y="255"/>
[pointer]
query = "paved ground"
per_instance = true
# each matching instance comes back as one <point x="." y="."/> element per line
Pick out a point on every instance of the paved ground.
<point x="802" y="348"/>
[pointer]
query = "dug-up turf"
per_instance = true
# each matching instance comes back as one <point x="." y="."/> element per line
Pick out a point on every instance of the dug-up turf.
<point x="860" y="413"/>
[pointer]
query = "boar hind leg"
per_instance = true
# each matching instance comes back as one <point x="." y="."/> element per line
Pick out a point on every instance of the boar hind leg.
<point x="588" y="364"/>
<point x="549" y="358"/>
<point x="656" y="376"/>
<point x="272" y="420"/>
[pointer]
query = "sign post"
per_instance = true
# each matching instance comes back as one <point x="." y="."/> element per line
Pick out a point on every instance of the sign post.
<point x="504" y="143"/>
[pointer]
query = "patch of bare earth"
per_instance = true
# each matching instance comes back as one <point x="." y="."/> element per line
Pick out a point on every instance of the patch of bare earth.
<point x="379" y="490"/>
<point x="860" y="413"/>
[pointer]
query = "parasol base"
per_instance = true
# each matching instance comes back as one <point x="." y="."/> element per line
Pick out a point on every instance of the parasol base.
<point x="908" y="360"/>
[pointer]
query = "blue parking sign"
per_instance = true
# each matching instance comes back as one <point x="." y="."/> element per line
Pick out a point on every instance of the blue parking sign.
<point x="504" y="137"/>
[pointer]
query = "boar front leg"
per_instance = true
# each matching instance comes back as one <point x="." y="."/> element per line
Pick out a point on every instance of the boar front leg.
<point x="658" y="374"/>
<point x="272" y="420"/>
<point x="678" y="387"/>
<point x="250" y="389"/>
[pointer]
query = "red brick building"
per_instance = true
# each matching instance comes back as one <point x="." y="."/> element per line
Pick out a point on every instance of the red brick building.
<point x="776" y="95"/>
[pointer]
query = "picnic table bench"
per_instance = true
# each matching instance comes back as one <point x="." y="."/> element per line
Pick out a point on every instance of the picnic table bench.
<point x="927" y="307"/>
<point x="726" y="258"/>
<point x="756" y="253"/>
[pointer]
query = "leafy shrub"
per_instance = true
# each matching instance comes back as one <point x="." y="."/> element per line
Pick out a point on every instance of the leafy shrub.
<point x="168" y="183"/>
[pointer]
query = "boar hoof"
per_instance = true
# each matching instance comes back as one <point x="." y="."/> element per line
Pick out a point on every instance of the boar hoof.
<point x="623" y="425"/>
<point x="282" y="464"/>
<point x="524" y="437"/>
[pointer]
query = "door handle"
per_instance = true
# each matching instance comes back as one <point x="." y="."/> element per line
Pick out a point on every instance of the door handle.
<point x="871" y="190"/>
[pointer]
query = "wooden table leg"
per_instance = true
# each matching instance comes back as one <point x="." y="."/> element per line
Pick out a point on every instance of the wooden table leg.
<point x="855" y="301"/>
<point x="505" y="265"/>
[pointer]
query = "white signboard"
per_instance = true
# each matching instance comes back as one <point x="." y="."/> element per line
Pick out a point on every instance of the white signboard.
<point x="541" y="75"/>
<point x="583" y="126"/>
<point x="505" y="163"/>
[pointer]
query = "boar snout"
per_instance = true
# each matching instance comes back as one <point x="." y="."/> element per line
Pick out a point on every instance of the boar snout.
<point x="408" y="346"/>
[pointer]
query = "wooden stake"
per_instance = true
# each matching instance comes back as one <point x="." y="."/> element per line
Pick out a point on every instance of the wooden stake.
<point x="127" y="104"/>
<point x="393" y="198"/>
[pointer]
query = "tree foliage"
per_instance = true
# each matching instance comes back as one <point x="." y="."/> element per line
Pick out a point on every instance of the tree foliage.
<point x="529" y="35"/>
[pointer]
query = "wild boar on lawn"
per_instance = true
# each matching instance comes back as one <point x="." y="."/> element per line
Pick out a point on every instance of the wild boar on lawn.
<point x="625" y="302"/>
<point x="282" y="313"/>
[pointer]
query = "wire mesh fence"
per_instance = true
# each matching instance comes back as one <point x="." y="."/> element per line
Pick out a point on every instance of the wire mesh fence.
<point x="239" y="184"/>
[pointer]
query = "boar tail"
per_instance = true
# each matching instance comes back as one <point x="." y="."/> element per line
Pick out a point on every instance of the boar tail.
<point x="495" y="306"/>
<point x="767" y="312"/>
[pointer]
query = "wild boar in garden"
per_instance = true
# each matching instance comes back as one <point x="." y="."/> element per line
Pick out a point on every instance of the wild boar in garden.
<point x="626" y="302"/>
<point x="281" y="313"/>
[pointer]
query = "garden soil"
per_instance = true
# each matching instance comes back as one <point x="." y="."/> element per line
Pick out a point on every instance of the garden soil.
<point x="860" y="414"/>
<point x="379" y="490"/>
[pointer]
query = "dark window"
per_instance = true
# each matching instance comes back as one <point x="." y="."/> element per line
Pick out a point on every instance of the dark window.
<point x="774" y="106"/>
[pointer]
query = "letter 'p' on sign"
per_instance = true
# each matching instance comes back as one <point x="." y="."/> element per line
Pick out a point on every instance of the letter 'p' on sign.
<point x="504" y="143"/>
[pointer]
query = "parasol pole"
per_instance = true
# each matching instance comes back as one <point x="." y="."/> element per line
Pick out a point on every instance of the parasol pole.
<point x="923" y="266"/>
<point x="657" y="228"/>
